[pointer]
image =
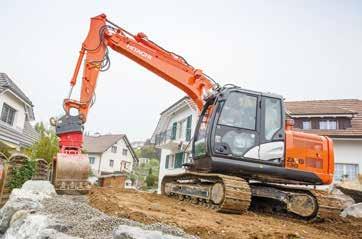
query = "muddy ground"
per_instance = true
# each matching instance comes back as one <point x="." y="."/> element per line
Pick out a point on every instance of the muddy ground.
<point x="196" y="220"/>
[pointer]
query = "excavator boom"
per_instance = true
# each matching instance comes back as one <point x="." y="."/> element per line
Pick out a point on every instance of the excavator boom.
<point x="139" y="48"/>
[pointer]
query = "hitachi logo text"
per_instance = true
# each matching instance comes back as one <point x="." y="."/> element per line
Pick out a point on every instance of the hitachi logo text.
<point x="139" y="52"/>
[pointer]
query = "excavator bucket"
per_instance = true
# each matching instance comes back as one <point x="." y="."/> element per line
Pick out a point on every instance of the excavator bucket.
<point x="70" y="174"/>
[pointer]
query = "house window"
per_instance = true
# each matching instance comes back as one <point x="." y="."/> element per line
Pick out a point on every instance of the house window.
<point x="174" y="130"/>
<point x="181" y="130"/>
<point x="124" y="152"/>
<point x="306" y="124"/>
<point x="345" y="171"/>
<point x="92" y="160"/>
<point x="179" y="157"/>
<point x="111" y="163"/>
<point x="170" y="161"/>
<point x="328" y="124"/>
<point x="8" y="114"/>
<point x="114" y="149"/>
<point x="124" y="165"/>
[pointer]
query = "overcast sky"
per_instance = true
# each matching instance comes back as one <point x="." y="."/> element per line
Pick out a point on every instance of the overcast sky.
<point x="299" y="49"/>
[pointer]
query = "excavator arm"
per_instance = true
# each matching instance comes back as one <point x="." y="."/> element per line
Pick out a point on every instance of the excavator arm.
<point x="169" y="66"/>
<point x="70" y="166"/>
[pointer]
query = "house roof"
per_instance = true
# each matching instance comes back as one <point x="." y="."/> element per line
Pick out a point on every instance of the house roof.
<point x="318" y="107"/>
<point x="174" y="104"/>
<point x="332" y="107"/>
<point x="99" y="144"/>
<point x="7" y="83"/>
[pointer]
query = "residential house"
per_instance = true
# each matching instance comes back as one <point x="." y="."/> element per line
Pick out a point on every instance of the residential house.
<point x="110" y="154"/>
<point x="16" y="132"/>
<point x="339" y="119"/>
<point x="173" y="135"/>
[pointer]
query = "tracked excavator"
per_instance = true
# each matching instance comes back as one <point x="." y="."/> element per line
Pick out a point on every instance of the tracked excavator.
<point x="243" y="146"/>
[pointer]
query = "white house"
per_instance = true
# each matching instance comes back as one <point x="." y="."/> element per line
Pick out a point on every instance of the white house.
<point x="110" y="154"/>
<point x="173" y="134"/>
<point x="17" y="112"/>
<point x="339" y="119"/>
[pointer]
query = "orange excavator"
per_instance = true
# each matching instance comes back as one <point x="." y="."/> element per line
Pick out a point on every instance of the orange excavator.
<point x="243" y="146"/>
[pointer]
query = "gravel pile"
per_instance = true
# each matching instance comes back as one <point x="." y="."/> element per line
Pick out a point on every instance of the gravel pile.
<point x="76" y="218"/>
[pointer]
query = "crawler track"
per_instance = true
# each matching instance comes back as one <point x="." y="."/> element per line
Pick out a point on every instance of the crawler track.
<point x="231" y="195"/>
<point x="329" y="205"/>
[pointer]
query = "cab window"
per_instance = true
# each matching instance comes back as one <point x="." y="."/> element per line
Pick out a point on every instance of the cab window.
<point x="239" y="111"/>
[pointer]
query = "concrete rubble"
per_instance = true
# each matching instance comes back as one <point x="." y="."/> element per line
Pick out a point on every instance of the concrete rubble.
<point x="36" y="211"/>
<point x="354" y="210"/>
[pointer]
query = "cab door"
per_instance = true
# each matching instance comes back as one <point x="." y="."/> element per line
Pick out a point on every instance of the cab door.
<point x="272" y="135"/>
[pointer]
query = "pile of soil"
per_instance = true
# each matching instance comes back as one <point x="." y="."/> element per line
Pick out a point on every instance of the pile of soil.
<point x="151" y="208"/>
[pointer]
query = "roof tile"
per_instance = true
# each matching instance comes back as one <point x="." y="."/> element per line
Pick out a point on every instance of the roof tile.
<point x="343" y="106"/>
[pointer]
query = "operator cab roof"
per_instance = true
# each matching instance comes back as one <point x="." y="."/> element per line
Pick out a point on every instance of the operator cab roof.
<point x="230" y="88"/>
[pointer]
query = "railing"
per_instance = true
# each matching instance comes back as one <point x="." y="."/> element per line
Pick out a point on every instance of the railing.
<point x="172" y="134"/>
<point x="164" y="136"/>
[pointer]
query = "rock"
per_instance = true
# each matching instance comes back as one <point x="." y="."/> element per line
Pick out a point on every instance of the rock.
<point x="39" y="186"/>
<point x="34" y="226"/>
<point x="28" y="197"/>
<point x="30" y="227"/>
<point x="18" y="216"/>
<point x="131" y="232"/>
<point x="12" y="206"/>
<point x="354" y="211"/>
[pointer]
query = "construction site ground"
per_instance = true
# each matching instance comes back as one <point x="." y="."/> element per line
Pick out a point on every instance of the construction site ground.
<point x="150" y="208"/>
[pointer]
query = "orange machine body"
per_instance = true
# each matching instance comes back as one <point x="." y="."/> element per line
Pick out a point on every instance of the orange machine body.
<point x="311" y="153"/>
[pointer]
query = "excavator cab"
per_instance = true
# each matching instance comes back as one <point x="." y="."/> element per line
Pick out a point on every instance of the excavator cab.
<point x="239" y="124"/>
<point x="242" y="133"/>
<point x="240" y="127"/>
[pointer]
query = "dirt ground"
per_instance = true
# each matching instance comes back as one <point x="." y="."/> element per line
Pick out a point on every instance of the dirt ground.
<point x="196" y="220"/>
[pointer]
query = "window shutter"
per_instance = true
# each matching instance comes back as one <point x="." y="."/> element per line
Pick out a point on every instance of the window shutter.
<point x="178" y="159"/>
<point x="174" y="129"/>
<point x="315" y="123"/>
<point x="167" y="161"/>
<point x="188" y="128"/>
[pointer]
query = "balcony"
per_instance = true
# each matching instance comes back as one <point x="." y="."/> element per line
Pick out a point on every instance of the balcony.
<point x="173" y="139"/>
